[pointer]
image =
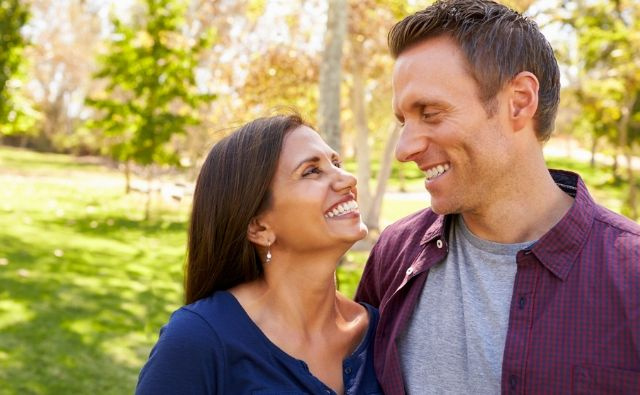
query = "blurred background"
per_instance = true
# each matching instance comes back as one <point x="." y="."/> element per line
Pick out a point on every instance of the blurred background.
<point x="108" y="107"/>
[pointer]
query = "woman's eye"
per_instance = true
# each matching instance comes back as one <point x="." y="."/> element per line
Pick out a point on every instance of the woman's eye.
<point x="311" y="170"/>
<point x="337" y="163"/>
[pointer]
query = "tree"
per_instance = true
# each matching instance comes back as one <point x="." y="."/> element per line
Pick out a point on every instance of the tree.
<point x="151" y="92"/>
<point x="607" y="84"/>
<point x="330" y="74"/>
<point x="16" y="114"/>
<point x="369" y="66"/>
<point x="64" y="37"/>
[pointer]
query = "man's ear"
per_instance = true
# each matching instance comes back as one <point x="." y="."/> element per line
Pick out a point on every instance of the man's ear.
<point x="259" y="232"/>
<point x="523" y="100"/>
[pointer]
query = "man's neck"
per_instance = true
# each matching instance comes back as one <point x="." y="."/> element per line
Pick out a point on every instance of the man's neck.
<point x="525" y="215"/>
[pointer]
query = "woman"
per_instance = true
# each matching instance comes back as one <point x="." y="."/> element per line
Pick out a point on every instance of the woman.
<point x="273" y="212"/>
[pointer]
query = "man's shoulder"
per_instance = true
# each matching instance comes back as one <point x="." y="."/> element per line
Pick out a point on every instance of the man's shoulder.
<point x="617" y="235"/>
<point x="616" y="222"/>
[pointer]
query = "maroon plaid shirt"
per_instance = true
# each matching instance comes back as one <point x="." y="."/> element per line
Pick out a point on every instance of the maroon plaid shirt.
<point x="574" y="323"/>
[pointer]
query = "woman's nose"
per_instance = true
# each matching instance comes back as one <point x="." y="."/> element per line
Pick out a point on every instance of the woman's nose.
<point x="344" y="180"/>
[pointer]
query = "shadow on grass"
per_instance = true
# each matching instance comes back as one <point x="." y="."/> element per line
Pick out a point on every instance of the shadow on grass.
<point x="119" y="228"/>
<point x="71" y="326"/>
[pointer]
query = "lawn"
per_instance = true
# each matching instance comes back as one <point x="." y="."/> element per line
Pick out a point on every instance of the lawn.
<point x="86" y="283"/>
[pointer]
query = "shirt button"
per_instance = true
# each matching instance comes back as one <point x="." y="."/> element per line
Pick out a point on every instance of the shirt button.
<point x="347" y="370"/>
<point x="409" y="271"/>
<point x="513" y="381"/>
<point x="439" y="243"/>
<point x="522" y="302"/>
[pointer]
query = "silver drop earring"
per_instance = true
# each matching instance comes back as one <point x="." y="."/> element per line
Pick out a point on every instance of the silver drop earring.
<point x="268" y="258"/>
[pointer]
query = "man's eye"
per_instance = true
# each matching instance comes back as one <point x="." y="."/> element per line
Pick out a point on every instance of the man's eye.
<point x="337" y="163"/>
<point x="429" y="115"/>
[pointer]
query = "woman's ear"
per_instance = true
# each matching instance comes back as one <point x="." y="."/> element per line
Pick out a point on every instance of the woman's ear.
<point x="259" y="232"/>
<point x="523" y="103"/>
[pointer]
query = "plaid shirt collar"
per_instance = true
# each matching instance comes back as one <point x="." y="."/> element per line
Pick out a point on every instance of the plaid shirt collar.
<point x="557" y="249"/>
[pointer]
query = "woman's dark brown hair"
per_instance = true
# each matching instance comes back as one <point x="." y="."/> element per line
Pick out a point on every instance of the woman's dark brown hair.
<point x="232" y="188"/>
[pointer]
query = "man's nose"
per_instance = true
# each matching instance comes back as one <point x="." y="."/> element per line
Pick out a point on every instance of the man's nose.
<point x="410" y="144"/>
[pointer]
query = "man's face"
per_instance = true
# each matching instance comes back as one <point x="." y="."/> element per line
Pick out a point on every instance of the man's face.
<point x="446" y="131"/>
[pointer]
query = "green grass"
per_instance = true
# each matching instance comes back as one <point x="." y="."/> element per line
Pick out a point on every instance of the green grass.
<point x="85" y="283"/>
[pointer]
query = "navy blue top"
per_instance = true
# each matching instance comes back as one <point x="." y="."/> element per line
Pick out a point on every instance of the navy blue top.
<point x="213" y="347"/>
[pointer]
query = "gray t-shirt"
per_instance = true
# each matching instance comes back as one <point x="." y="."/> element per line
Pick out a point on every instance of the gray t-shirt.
<point x="455" y="338"/>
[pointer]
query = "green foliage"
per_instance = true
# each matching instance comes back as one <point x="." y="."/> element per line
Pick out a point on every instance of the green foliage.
<point x="608" y="46"/>
<point x="151" y="92"/>
<point x="16" y="113"/>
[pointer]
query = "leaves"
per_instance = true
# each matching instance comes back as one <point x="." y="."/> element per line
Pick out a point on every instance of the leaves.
<point x="151" y="92"/>
<point x="16" y="113"/>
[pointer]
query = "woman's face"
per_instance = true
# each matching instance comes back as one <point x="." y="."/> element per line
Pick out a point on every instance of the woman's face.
<point x="313" y="199"/>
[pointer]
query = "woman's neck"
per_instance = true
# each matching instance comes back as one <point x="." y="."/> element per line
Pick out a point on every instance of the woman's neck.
<point x="298" y="291"/>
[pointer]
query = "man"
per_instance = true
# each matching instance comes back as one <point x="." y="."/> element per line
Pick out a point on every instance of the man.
<point x="515" y="280"/>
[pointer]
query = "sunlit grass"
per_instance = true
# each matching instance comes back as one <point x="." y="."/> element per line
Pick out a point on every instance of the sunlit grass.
<point x="85" y="284"/>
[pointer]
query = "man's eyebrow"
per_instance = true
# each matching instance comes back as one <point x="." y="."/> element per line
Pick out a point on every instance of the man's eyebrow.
<point x="421" y="103"/>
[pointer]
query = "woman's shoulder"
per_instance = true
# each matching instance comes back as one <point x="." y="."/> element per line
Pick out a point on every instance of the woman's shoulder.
<point x="358" y="311"/>
<point x="203" y="317"/>
<point x="220" y="302"/>
<point x="363" y="318"/>
<point x="188" y="355"/>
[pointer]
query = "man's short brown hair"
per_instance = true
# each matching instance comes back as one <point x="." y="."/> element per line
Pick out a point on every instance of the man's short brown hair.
<point x="498" y="43"/>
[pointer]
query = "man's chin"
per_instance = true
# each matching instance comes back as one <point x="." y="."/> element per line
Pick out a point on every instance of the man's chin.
<point x="442" y="209"/>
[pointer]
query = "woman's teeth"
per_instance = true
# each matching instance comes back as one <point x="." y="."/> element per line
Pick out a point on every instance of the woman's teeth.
<point x="342" y="208"/>
<point x="436" y="171"/>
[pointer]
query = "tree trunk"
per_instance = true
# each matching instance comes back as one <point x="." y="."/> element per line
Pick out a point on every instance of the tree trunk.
<point x="402" y="185"/>
<point x="372" y="219"/>
<point x="594" y="147"/>
<point x="625" y="146"/>
<point x="633" y="187"/>
<point x="147" y="206"/>
<point x="127" y="176"/>
<point x="363" y="157"/>
<point x="330" y="74"/>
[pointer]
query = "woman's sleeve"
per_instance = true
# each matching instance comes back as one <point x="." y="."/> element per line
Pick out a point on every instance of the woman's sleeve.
<point x="187" y="359"/>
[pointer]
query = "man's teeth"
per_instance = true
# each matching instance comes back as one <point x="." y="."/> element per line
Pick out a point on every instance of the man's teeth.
<point x="436" y="171"/>
<point x="342" y="208"/>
